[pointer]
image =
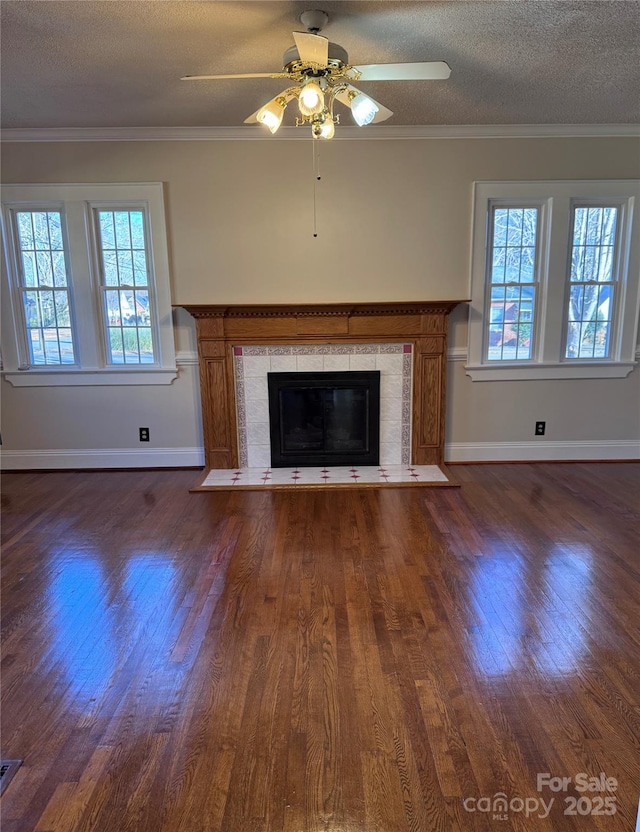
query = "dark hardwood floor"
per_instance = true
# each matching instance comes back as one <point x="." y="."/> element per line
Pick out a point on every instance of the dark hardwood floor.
<point x="373" y="660"/>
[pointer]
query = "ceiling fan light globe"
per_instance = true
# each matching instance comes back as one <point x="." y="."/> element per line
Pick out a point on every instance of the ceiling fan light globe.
<point x="363" y="110"/>
<point x="271" y="114"/>
<point x="328" y="129"/>
<point x="311" y="99"/>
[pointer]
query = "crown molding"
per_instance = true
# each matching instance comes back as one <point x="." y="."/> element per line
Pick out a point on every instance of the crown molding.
<point x="256" y="133"/>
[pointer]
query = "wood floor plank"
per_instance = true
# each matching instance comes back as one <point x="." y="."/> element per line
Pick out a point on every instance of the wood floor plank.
<point x="373" y="660"/>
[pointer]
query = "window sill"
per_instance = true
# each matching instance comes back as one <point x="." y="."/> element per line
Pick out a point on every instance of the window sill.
<point x="543" y="372"/>
<point x="90" y="378"/>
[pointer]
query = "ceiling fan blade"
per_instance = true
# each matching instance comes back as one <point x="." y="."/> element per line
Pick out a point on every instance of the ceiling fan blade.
<point x="424" y="71"/>
<point x="245" y="75"/>
<point x="252" y="119"/>
<point x="313" y="49"/>
<point x="383" y="113"/>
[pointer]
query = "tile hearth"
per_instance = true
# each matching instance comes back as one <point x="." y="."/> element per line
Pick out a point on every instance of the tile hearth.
<point x="324" y="476"/>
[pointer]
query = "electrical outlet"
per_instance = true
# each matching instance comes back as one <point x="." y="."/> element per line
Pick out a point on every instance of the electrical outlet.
<point x="540" y="428"/>
<point x="144" y="434"/>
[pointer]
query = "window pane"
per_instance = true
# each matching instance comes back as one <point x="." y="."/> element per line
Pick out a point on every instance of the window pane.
<point x="512" y="290"/>
<point x="142" y="306"/>
<point x="59" y="269"/>
<point x="514" y="231"/>
<point x="125" y="264"/>
<point x="47" y="309"/>
<point x="125" y="268"/>
<point x="123" y="236"/>
<point x="41" y="230"/>
<point x="32" y="309"/>
<point x="576" y="263"/>
<point x="594" y="225"/>
<point x="43" y="262"/>
<point x="114" y="315"/>
<point x="527" y="264"/>
<point x="51" y="346"/>
<point x="66" y="346"/>
<point x="609" y="223"/>
<point x="500" y="220"/>
<point x="575" y="303"/>
<point x="602" y="339"/>
<point x="140" y="268"/>
<point x="604" y="303"/>
<point x="25" y="230"/>
<point x="579" y="226"/>
<point x="513" y="265"/>
<point x="110" y="267"/>
<point x="590" y="305"/>
<point x="116" y="353"/>
<point x="127" y="305"/>
<point x="45" y="270"/>
<point x="55" y="231"/>
<point x="146" y="345"/>
<point x="605" y="266"/>
<point x="30" y="273"/>
<point x="131" y="348"/>
<point x="36" y="348"/>
<point x="137" y="229"/>
<point x="62" y="309"/>
<point x="529" y="227"/>
<point x="107" y="232"/>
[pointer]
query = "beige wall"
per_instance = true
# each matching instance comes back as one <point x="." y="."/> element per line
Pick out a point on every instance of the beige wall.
<point x="394" y="223"/>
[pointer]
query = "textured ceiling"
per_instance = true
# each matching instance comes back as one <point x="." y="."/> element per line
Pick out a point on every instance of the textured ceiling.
<point x="118" y="64"/>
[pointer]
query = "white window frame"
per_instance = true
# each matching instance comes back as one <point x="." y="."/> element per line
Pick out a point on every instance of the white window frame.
<point x="556" y="199"/>
<point x="78" y="203"/>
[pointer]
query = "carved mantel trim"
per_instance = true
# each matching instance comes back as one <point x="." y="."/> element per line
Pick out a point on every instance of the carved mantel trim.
<point x="342" y="309"/>
<point x="219" y="328"/>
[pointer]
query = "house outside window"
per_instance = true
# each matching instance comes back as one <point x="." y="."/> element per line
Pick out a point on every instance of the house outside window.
<point x="87" y="279"/>
<point x="555" y="274"/>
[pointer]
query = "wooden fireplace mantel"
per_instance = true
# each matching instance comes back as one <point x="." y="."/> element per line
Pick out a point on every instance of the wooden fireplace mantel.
<point x="423" y="324"/>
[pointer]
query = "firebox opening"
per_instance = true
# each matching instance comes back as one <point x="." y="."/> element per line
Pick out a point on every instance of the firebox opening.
<point x="324" y="418"/>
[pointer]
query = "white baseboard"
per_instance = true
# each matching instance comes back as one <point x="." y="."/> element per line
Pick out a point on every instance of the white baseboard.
<point x="102" y="458"/>
<point x="542" y="451"/>
<point x="194" y="457"/>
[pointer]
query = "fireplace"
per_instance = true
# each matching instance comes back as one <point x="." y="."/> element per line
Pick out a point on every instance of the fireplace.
<point x="324" y="418"/>
<point x="224" y="331"/>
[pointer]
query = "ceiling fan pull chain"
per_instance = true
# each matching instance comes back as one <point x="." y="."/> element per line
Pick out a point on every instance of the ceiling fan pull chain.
<point x="316" y="179"/>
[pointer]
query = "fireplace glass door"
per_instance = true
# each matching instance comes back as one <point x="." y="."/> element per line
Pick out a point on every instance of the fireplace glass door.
<point x="328" y="418"/>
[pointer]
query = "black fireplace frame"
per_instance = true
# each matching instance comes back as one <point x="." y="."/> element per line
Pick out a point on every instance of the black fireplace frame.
<point x="366" y="380"/>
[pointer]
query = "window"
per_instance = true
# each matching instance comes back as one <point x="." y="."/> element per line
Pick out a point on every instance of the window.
<point x="554" y="280"/>
<point x="88" y="283"/>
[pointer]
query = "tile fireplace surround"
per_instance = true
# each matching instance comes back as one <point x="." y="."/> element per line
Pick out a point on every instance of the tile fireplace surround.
<point x="252" y="364"/>
<point x="239" y="345"/>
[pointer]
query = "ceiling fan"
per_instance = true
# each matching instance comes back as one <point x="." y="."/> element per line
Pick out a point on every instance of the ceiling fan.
<point x="320" y="75"/>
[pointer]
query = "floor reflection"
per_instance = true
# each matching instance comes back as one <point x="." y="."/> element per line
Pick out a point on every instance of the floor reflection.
<point x="98" y="617"/>
<point x="83" y="622"/>
<point x="565" y="609"/>
<point x="531" y="614"/>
